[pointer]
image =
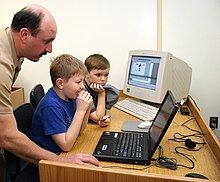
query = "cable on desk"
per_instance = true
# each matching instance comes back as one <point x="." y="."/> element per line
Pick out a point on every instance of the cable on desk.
<point x="184" y="124"/>
<point x="178" y="137"/>
<point x="188" y="120"/>
<point x="163" y="161"/>
<point x="160" y="161"/>
<point x="186" y="156"/>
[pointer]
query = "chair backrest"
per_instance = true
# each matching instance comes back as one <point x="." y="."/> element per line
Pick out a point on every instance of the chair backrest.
<point x="36" y="95"/>
<point x="23" y="115"/>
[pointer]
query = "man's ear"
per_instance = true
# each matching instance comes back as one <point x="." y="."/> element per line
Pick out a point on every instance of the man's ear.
<point x="59" y="83"/>
<point x="24" y="33"/>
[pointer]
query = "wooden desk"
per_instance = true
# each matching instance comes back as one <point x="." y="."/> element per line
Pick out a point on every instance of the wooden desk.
<point x="206" y="160"/>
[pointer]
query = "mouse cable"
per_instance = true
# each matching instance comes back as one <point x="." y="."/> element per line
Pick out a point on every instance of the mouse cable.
<point x="163" y="161"/>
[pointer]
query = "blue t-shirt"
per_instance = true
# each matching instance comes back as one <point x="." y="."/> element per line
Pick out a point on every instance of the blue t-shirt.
<point x="52" y="116"/>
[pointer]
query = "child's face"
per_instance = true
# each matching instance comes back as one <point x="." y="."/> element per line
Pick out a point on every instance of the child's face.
<point x="73" y="86"/>
<point x="98" y="76"/>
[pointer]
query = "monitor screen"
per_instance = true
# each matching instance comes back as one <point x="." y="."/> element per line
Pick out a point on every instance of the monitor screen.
<point x="143" y="71"/>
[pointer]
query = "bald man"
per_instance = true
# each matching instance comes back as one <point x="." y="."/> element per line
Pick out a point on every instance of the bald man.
<point x="30" y="36"/>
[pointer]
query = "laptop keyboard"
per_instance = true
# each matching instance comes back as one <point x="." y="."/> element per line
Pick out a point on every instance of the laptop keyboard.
<point x="129" y="145"/>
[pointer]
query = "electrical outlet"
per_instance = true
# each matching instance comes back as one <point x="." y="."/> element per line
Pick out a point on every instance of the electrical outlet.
<point x="213" y="123"/>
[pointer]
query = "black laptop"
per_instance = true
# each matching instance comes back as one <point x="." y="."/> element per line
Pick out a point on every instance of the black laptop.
<point x="137" y="147"/>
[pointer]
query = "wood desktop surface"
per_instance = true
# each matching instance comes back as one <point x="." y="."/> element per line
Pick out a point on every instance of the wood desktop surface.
<point x="206" y="160"/>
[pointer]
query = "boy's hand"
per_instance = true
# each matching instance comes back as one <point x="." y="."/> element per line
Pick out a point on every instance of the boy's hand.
<point x="83" y="100"/>
<point x="104" y="121"/>
<point x="97" y="87"/>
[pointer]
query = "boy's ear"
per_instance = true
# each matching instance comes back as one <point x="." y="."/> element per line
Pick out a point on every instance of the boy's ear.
<point x="59" y="83"/>
<point x="87" y="75"/>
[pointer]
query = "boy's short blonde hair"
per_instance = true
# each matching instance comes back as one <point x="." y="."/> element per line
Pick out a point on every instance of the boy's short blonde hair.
<point x="96" y="61"/>
<point x="66" y="66"/>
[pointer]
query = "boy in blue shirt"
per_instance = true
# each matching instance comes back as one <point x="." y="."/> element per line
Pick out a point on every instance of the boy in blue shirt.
<point x="63" y="112"/>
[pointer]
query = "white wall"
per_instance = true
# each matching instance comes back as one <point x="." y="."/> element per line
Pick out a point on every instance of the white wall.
<point x="191" y="31"/>
<point x="111" y="28"/>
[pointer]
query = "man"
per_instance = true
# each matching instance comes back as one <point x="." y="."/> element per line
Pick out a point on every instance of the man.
<point x="30" y="36"/>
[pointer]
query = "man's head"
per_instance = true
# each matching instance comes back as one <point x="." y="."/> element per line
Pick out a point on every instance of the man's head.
<point x="67" y="74"/>
<point x="98" y="69"/>
<point x="33" y="30"/>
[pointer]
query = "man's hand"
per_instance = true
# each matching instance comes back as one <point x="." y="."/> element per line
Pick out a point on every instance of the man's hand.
<point x="81" y="159"/>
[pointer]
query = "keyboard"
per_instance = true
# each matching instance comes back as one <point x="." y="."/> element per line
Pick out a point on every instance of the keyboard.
<point x="129" y="145"/>
<point x="138" y="109"/>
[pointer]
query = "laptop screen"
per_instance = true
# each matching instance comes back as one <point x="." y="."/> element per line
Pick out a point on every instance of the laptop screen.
<point x="162" y="121"/>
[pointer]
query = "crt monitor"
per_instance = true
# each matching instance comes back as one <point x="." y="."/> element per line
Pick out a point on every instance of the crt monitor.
<point x="150" y="74"/>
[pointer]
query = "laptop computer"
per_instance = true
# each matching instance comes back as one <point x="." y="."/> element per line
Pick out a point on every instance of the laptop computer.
<point x="137" y="147"/>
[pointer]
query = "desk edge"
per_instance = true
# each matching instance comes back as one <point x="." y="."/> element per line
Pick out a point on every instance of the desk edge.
<point x="209" y="135"/>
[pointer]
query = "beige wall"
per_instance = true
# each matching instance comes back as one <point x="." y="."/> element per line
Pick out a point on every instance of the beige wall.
<point x="191" y="30"/>
<point x="111" y="28"/>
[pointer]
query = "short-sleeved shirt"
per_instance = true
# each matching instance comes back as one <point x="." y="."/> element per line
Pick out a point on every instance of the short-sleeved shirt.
<point x="52" y="116"/>
<point x="9" y="69"/>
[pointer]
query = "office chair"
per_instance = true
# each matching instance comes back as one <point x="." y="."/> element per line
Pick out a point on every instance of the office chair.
<point x="36" y="95"/>
<point x="23" y="115"/>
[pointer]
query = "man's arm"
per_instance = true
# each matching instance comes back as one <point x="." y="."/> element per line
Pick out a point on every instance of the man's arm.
<point x="16" y="142"/>
<point x="19" y="144"/>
